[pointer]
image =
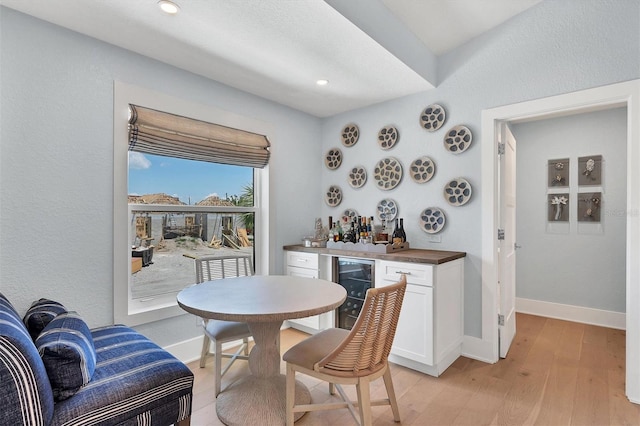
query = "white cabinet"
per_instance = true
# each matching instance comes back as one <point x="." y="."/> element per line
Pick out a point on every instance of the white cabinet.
<point x="301" y="264"/>
<point x="430" y="328"/>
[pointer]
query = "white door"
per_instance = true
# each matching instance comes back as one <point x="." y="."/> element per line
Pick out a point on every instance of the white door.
<point x="507" y="246"/>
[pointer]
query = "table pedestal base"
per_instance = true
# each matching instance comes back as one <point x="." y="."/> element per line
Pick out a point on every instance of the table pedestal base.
<point x="258" y="401"/>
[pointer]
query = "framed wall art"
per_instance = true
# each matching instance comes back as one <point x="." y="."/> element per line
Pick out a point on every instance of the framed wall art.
<point x="558" y="207"/>
<point x="590" y="170"/>
<point x="589" y="206"/>
<point x="558" y="174"/>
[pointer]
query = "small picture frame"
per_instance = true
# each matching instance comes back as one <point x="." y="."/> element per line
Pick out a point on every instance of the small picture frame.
<point x="589" y="206"/>
<point x="558" y="174"/>
<point x="558" y="207"/>
<point x="590" y="170"/>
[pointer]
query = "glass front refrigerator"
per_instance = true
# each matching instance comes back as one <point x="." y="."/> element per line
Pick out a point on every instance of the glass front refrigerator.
<point x="356" y="276"/>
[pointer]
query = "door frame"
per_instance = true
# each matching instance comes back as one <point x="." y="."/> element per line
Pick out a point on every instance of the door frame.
<point x="626" y="94"/>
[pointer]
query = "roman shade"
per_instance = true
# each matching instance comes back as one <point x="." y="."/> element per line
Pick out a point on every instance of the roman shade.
<point x="162" y="133"/>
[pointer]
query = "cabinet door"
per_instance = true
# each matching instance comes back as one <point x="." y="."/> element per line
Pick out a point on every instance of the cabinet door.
<point x="414" y="335"/>
<point x="314" y="321"/>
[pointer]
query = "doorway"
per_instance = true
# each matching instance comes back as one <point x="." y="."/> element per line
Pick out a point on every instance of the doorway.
<point x="617" y="95"/>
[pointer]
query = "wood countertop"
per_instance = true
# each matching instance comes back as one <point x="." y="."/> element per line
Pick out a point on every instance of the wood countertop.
<point x="433" y="257"/>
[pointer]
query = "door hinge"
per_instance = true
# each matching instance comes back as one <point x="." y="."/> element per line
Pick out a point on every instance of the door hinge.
<point x="500" y="148"/>
<point x="500" y="234"/>
<point x="500" y="319"/>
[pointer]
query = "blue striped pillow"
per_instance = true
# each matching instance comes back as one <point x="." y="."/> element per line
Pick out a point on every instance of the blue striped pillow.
<point x="69" y="356"/>
<point x="40" y="314"/>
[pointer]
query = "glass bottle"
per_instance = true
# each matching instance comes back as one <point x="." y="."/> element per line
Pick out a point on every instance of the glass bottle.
<point x="337" y="235"/>
<point x="403" y="234"/>
<point x="396" y="237"/>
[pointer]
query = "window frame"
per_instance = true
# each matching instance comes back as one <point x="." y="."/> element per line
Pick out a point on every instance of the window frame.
<point x="135" y="312"/>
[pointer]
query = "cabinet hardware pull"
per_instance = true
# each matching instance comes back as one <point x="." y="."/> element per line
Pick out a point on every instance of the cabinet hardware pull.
<point x="302" y="260"/>
<point x="401" y="272"/>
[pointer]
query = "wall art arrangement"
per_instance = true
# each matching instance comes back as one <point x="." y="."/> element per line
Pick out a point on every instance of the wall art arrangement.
<point x="357" y="176"/>
<point x="388" y="172"/>
<point x="422" y="169"/>
<point x="350" y="134"/>
<point x="558" y="207"/>
<point x="589" y="206"/>
<point x="558" y="174"/>
<point x="458" y="139"/>
<point x="387" y="209"/>
<point x="590" y="169"/>
<point x="388" y="137"/>
<point x="588" y="203"/>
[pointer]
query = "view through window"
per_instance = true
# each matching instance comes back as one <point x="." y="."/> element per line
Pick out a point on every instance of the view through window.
<point x="180" y="210"/>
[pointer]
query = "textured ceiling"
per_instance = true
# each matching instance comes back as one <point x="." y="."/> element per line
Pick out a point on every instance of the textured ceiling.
<point x="369" y="50"/>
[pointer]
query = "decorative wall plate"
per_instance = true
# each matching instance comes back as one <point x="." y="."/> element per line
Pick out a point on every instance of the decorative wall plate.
<point x="388" y="136"/>
<point x="458" y="139"/>
<point x="433" y="117"/>
<point x="388" y="173"/>
<point x="457" y="192"/>
<point x="333" y="158"/>
<point x="422" y="169"/>
<point x="357" y="176"/>
<point x="350" y="134"/>
<point x="349" y="215"/>
<point x="333" y="197"/>
<point x="432" y="220"/>
<point x="387" y="209"/>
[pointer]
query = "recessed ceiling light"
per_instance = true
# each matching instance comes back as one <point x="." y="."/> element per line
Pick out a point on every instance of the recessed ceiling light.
<point x="169" y="7"/>
<point x="322" y="82"/>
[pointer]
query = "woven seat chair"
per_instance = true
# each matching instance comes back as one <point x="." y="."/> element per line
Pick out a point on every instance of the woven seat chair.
<point x="355" y="357"/>
<point x="219" y="332"/>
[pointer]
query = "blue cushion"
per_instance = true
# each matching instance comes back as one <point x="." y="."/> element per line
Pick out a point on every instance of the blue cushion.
<point x="40" y="314"/>
<point x="135" y="380"/>
<point x="68" y="353"/>
<point x="25" y="391"/>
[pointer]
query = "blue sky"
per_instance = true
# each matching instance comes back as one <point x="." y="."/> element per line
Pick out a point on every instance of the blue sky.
<point x="191" y="181"/>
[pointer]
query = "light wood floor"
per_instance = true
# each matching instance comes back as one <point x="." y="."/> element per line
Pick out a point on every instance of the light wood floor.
<point x="556" y="373"/>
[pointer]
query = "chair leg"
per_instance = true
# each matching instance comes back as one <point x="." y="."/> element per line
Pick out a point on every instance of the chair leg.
<point x="388" y="384"/>
<point x="291" y="394"/>
<point x="332" y="389"/>
<point x="246" y="345"/>
<point x="364" y="401"/>
<point x="205" y="350"/>
<point x="218" y="366"/>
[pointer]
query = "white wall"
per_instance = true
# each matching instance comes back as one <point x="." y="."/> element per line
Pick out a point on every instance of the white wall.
<point x="572" y="263"/>
<point x="555" y="47"/>
<point x="56" y="169"/>
<point x="56" y="165"/>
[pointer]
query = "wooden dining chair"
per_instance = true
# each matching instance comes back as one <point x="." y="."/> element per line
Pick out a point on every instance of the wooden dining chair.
<point x="219" y="332"/>
<point x="355" y="357"/>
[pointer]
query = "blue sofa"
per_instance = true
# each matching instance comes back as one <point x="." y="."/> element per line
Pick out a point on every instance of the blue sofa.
<point x="70" y="375"/>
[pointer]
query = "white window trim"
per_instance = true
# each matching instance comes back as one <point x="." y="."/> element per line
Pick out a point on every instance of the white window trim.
<point x="125" y="310"/>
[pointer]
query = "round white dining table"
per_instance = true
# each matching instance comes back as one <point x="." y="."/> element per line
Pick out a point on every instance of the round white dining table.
<point x="264" y="302"/>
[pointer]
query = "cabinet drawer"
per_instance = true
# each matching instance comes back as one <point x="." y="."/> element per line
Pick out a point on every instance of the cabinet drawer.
<point x="302" y="260"/>
<point x="417" y="273"/>
<point x="302" y="272"/>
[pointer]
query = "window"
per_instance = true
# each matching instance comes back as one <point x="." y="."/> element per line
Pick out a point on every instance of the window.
<point x="169" y="231"/>
<point x="189" y="217"/>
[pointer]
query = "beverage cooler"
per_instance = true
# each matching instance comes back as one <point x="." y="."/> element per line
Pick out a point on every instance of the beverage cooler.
<point x="356" y="276"/>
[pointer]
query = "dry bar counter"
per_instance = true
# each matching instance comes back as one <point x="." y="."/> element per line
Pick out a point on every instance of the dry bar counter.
<point x="431" y="326"/>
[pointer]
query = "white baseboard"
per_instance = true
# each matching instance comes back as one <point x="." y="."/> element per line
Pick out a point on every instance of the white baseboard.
<point x="189" y="350"/>
<point x="580" y="314"/>
<point x="478" y="349"/>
